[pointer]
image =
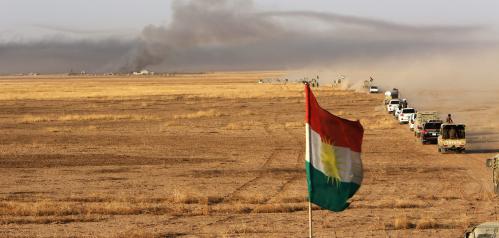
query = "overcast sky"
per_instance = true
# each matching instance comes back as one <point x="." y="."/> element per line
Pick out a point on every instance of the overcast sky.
<point x="194" y="35"/>
<point x="36" y="19"/>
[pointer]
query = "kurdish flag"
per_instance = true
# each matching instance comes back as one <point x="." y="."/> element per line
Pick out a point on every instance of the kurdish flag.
<point x="334" y="168"/>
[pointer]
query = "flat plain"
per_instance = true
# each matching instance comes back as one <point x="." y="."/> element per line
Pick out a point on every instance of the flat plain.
<point x="213" y="155"/>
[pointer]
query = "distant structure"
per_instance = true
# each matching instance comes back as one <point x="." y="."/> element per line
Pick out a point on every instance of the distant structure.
<point x="143" y="72"/>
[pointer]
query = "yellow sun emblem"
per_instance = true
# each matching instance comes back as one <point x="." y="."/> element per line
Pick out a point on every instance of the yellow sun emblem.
<point x="329" y="161"/>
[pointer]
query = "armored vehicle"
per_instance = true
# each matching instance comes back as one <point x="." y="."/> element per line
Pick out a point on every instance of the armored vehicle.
<point x="452" y="137"/>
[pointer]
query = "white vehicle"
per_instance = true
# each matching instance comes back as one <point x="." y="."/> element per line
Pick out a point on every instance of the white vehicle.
<point x="397" y="112"/>
<point x="485" y="230"/>
<point x="392" y="105"/>
<point x="406" y="114"/>
<point x="412" y="120"/>
<point x="373" y="89"/>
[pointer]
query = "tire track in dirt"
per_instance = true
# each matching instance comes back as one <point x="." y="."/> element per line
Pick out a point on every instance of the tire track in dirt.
<point x="260" y="174"/>
<point x="299" y="159"/>
<point x="261" y="170"/>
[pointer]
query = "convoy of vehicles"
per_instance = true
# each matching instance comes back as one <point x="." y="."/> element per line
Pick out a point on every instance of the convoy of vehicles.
<point x="448" y="136"/>
<point x="427" y="125"/>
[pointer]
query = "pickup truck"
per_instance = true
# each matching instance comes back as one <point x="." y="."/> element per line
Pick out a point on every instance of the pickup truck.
<point x="452" y="137"/>
<point x="431" y="131"/>
<point x="421" y="119"/>
<point x="405" y="114"/>
<point x="393" y="105"/>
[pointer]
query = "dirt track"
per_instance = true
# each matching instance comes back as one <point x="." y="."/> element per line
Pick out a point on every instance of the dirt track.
<point x="213" y="155"/>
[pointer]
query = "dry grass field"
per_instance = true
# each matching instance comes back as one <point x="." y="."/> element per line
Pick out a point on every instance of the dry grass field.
<point x="212" y="155"/>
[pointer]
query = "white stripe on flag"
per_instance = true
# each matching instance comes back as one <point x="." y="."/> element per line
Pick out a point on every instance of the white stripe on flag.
<point x="348" y="161"/>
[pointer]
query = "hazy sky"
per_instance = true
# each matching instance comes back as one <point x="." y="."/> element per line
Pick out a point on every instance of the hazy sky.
<point x="192" y="35"/>
<point x="35" y="19"/>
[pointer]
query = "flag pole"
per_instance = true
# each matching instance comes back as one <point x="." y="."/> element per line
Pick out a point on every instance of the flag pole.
<point x="310" y="234"/>
<point x="310" y="218"/>
<point x="309" y="151"/>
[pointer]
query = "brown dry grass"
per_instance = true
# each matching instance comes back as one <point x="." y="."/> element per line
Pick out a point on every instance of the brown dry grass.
<point x="281" y="208"/>
<point x="5" y="220"/>
<point x="85" y="117"/>
<point x="243" y="125"/>
<point x="401" y="222"/>
<point x="52" y="88"/>
<point x="200" y="114"/>
<point x="203" y="173"/>
<point x="60" y="208"/>
<point x="140" y="233"/>
<point x="426" y="223"/>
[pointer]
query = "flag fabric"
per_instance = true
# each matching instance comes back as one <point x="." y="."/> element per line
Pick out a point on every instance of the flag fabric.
<point x="333" y="164"/>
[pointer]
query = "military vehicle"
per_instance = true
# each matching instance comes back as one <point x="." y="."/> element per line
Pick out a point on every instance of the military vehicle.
<point x="452" y="137"/>
<point x="494" y="164"/>
<point x="484" y="230"/>
<point x="392" y="94"/>
<point x="421" y="119"/>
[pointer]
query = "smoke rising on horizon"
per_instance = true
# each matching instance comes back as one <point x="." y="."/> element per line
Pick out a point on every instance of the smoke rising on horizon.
<point x="235" y="35"/>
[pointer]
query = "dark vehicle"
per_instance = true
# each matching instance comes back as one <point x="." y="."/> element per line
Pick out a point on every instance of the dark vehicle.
<point x="431" y="131"/>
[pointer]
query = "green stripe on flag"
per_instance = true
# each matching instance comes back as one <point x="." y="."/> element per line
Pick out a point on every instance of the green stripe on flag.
<point x="326" y="192"/>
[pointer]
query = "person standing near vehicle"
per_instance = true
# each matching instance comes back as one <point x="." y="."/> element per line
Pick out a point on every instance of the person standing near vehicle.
<point x="449" y="119"/>
<point x="404" y="102"/>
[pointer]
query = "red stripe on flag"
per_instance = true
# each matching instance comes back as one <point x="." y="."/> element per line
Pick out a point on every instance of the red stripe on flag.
<point x="331" y="128"/>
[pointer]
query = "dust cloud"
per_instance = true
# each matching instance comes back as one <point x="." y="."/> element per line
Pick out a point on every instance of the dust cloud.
<point x="464" y="83"/>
